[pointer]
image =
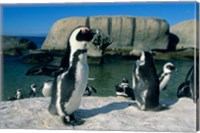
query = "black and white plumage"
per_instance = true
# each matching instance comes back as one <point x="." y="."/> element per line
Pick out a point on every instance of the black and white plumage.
<point x="123" y="89"/>
<point x="89" y="90"/>
<point x="190" y="87"/>
<point x="32" y="91"/>
<point x="47" y="88"/>
<point x="70" y="78"/>
<point x="145" y="82"/>
<point x="69" y="86"/>
<point x="18" y="95"/>
<point x="165" y="75"/>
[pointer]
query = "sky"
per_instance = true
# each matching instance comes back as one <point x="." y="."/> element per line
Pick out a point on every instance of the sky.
<point x="37" y="19"/>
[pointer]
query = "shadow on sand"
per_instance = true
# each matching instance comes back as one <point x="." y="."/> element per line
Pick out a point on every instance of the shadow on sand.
<point x="86" y="113"/>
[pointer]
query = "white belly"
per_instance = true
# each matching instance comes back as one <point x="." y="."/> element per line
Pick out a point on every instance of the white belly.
<point x="47" y="88"/>
<point x="164" y="82"/>
<point x="80" y="85"/>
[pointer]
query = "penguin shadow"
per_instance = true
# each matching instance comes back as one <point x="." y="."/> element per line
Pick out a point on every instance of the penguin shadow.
<point x="86" y="113"/>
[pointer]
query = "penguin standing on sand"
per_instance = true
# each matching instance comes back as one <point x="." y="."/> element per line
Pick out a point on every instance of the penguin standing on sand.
<point x="145" y="82"/>
<point x="18" y="95"/>
<point x="69" y="86"/>
<point x="32" y="91"/>
<point x="165" y="75"/>
<point x="190" y="87"/>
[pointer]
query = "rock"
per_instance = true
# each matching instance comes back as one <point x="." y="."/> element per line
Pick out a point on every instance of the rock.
<point x="13" y="52"/>
<point x="38" y="58"/>
<point x="129" y="32"/>
<point x="187" y="53"/>
<point x="100" y="113"/>
<point x="15" y="45"/>
<point x="186" y="32"/>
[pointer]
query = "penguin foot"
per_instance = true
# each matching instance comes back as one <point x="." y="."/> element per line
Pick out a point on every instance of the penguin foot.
<point x="71" y="120"/>
<point x="77" y="122"/>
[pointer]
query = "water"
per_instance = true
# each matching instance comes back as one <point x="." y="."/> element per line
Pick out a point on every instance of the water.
<point x="106" y="76"/>
<point x="112" y="72"/>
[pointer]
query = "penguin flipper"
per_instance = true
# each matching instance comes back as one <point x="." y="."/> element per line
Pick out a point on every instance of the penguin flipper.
<point x="46" y="70"/>
<point x="94" y="90"/>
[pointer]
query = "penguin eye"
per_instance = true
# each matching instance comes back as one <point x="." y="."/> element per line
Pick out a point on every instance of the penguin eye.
<point x="170" y="67"/>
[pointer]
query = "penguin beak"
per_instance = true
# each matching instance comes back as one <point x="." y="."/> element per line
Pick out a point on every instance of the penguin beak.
<point x="174" y="68"/>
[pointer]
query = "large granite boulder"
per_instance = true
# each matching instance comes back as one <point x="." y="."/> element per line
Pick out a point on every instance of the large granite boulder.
<point x="15" y="45"/>
<point x="186" y="32"/>
<point x="126" y="32"/>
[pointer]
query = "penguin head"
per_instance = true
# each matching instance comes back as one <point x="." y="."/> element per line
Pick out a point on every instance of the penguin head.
<point x="33" y="86"/>
<point x="169" y="67"/>
<point x="19" y="90"/>
<point x="141" y="61"/>
<point x="80" y="36"/>
<point x="124" y="80"/>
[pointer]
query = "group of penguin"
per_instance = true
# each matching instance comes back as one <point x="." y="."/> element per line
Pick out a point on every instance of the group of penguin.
<point x="19" y="93"/>
<point x="34" y="91"/>
<point x="185" y="89"/>
<point x="70" y="79"/>
<point x="146" y="84"/>
<point x="124" y="89"/>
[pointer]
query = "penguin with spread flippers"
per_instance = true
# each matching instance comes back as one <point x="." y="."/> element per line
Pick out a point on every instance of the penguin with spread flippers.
<point x="145" y="82"/>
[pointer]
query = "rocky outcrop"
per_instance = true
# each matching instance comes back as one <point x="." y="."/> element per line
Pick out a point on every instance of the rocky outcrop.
<point x="187" y="34"/>
<point x="38" y="58"/>
<point x="100" y="113"/>
<point x="15" y="45"/>
<point x="126" y="31"/>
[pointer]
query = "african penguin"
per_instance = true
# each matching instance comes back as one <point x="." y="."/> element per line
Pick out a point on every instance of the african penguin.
<point x="89" y="90"/>
<point x="32" y="91"/>
<point x="165" y="75"/>
<point x="145" y="82"/>
<point x="47" y="88"/>
<point x="18" y="95"/>
<point x="124" y="89"/>
<point x="69" y="86"/>
<point x="190" y="87"/>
